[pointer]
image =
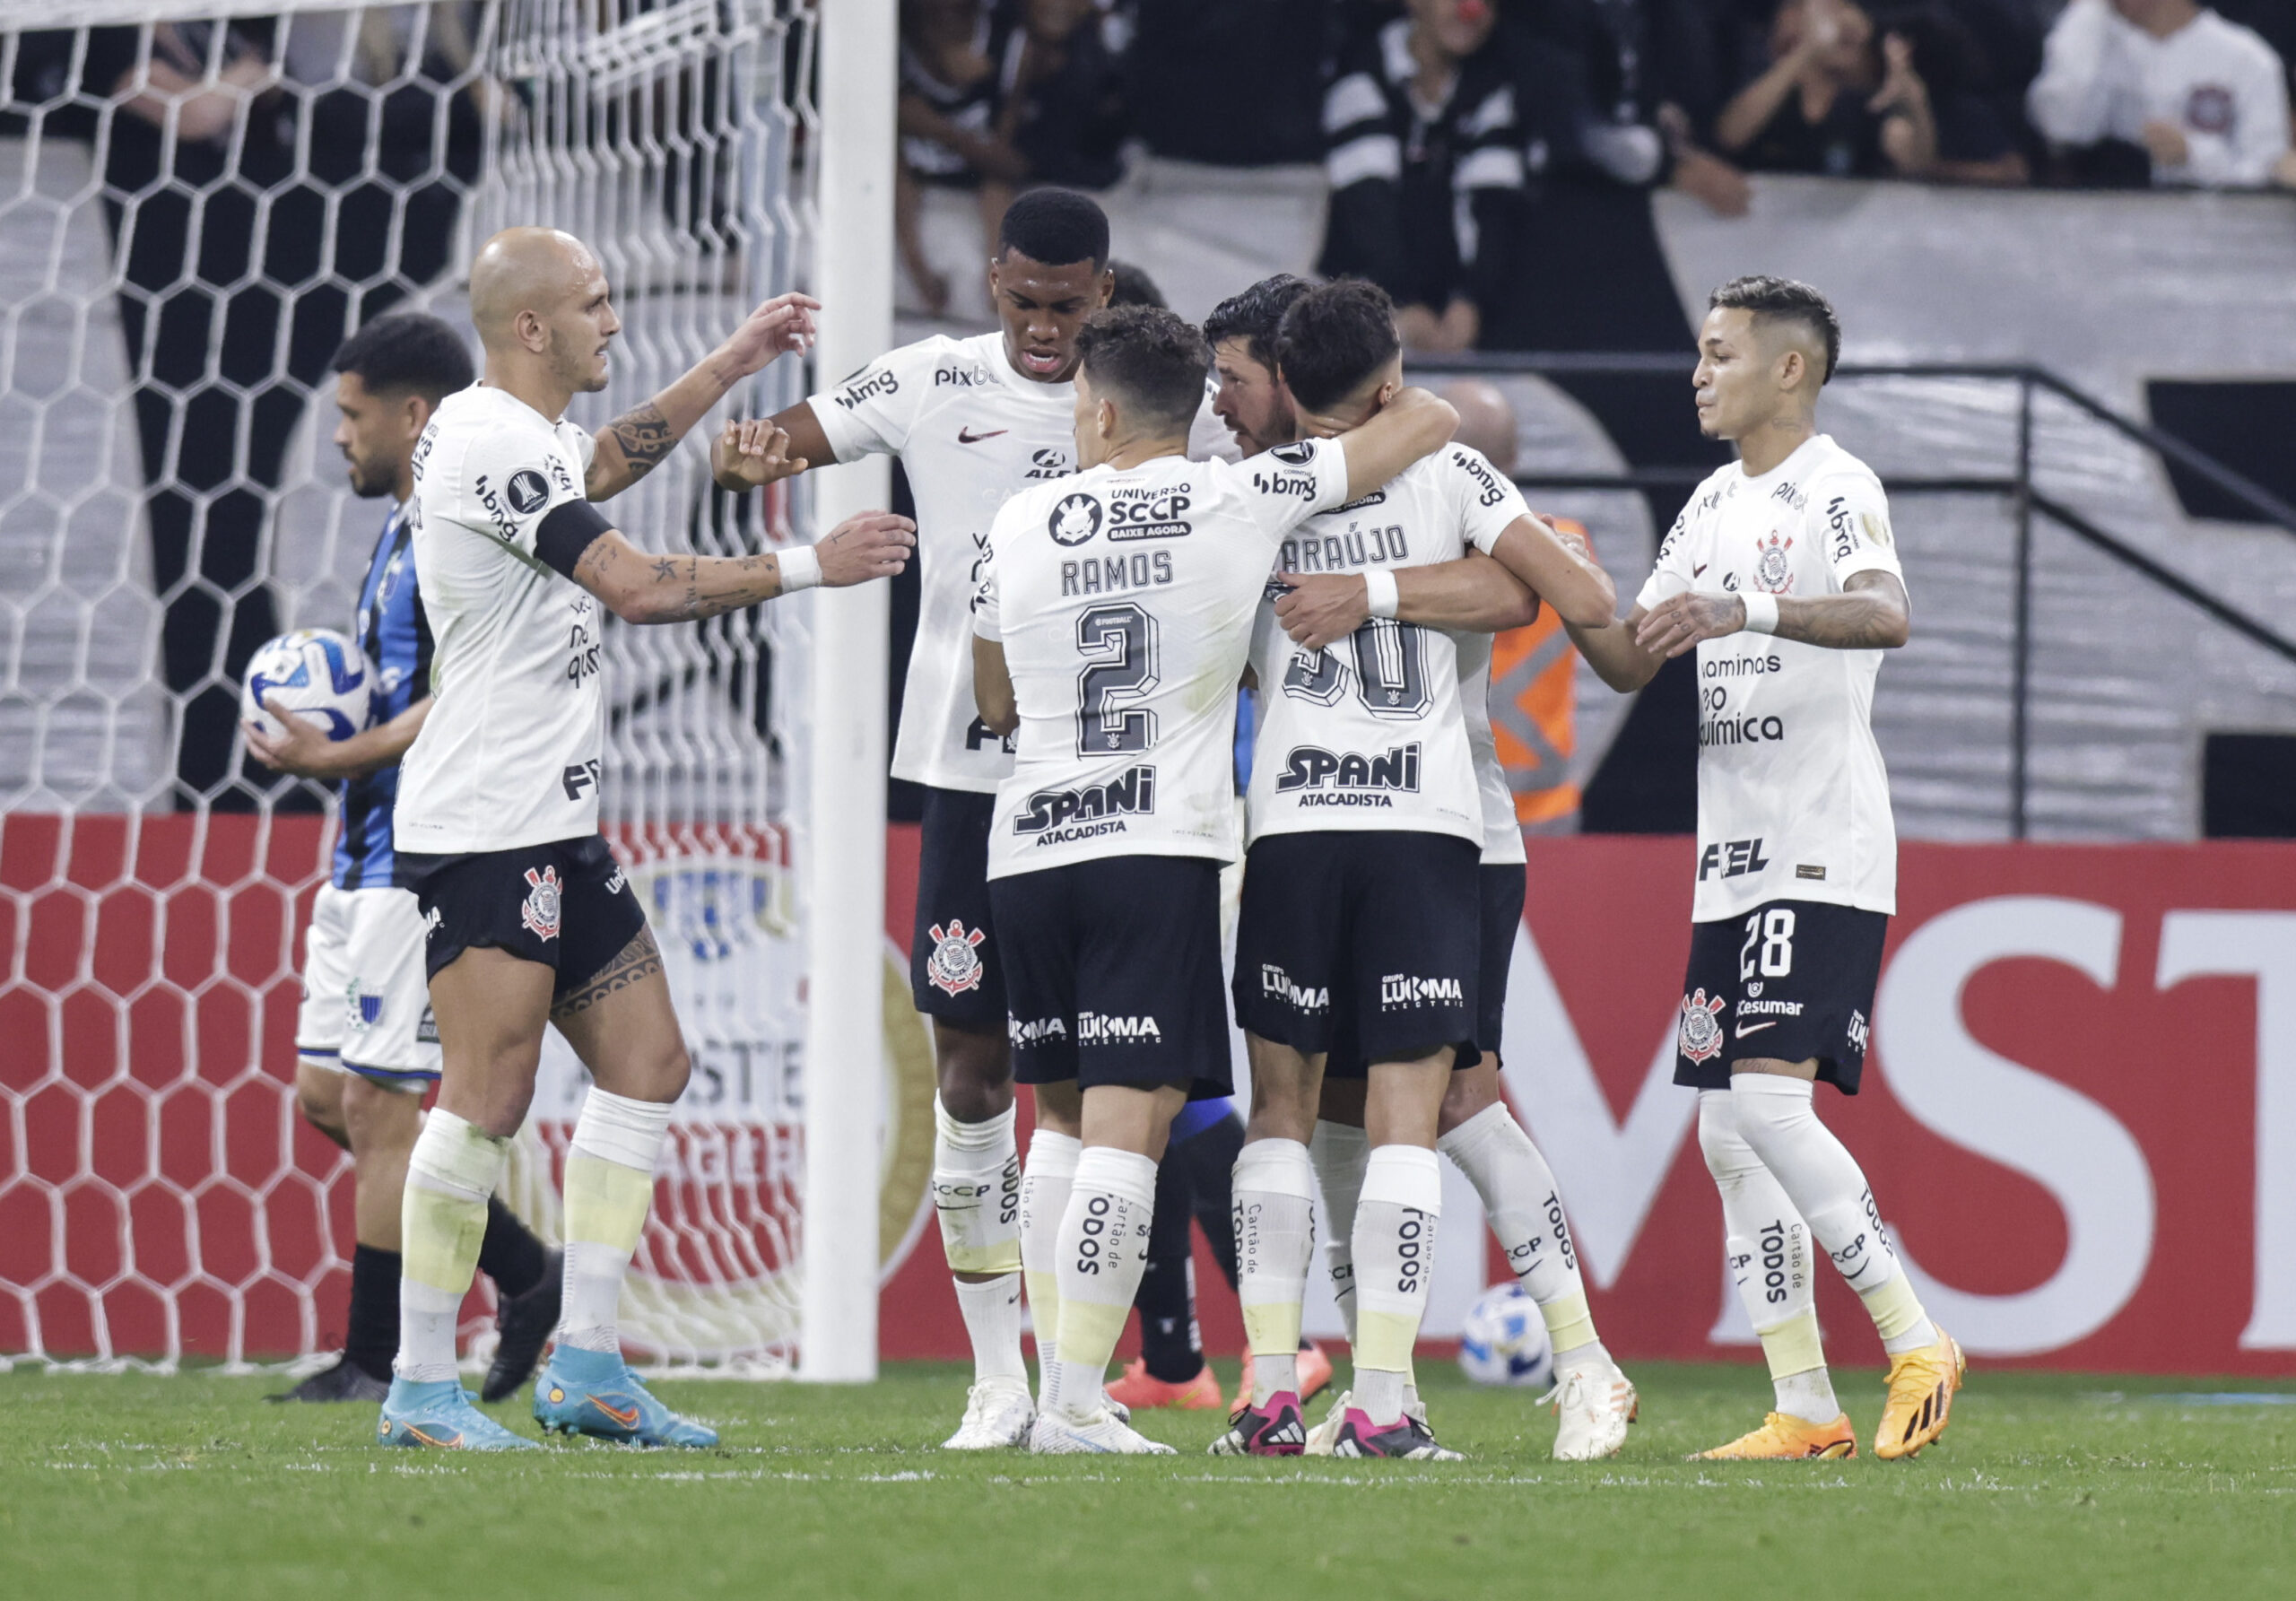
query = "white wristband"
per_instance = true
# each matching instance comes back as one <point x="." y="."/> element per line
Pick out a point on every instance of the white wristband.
<point x="1761" y="612"/>
<point x="1380" y="584"/>
<point x="801" y="568"/>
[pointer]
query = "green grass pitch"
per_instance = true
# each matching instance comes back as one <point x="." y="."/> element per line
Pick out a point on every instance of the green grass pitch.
<point x="2046" y="1485"/>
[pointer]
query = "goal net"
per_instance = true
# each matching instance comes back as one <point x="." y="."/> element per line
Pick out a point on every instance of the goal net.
<point x="195" y="208"/>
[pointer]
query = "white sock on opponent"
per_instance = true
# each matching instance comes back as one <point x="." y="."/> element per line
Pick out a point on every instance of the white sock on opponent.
<point x="1103" y="1253"/>
<point x="1338" y="1151"/>
<point x="1524" y="1205"/>
<point x="977" y="1198"/>
<point x="1044" y="1188"/>
<point x="1275" y="1226"/>
<point x="1777" y="1118"/>
<point x="1767" y="1245"/>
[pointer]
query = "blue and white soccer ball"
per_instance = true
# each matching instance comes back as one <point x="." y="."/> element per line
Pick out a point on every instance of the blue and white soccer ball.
<point x="1505" y="1341"/>
<point x="317" y="674"/>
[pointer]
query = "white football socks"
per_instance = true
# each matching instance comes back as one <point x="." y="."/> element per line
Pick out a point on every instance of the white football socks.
<point x="1394" y="1255"/>
<point x="1776" y="1117"/>
<point x="1768" y="1246"/>
<point x="442" y="1219"/>
<point x="1103" y="1252"/>
<point x="977" y="1196"/>
<point x="609" y="1189"/>
<point x="1044" y="1200"/>
<point x="1275" y="1209"/>
<point x="1338" y="1151"/>
<point x="1524" y="1207"/>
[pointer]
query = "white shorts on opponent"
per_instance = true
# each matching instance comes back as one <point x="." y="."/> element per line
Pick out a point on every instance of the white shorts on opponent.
<point x="366" y="1000"/>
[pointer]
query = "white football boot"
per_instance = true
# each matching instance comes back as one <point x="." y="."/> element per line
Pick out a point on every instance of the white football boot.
<point x="1326" y="1434"/>
<point x="998" y="1415"/>
<point x="1594" y="1407"/>
<point x="1059" y="1434"/>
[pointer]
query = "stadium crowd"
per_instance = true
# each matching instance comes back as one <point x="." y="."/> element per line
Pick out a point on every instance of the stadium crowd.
<point x="1452" y="131"/>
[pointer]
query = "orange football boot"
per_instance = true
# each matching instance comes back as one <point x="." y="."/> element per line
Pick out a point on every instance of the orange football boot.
<point x="1784" y="1439"/>
<point x="1921" y="1397"/>
<point x="1139" y="1388"/>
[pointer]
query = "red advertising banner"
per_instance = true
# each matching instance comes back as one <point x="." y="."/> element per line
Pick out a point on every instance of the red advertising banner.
<point x="2079" y="1116"/>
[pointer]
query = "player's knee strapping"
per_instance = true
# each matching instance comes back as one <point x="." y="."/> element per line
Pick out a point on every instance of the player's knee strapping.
<point x="442" y="1218"/>
<point x="1045" y="1188"/>
<point x="1338" y="1151"/>
<point x="609" y="1188"/>
<point x="1524" y="1207"/>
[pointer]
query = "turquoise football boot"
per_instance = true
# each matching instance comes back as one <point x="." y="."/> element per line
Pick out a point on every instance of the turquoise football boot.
<point x="441" y="1415"/>
<point x="595" y="1393"/>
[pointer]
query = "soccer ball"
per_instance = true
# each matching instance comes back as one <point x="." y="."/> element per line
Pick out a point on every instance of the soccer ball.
<point x="316" y="673"/>
<point x="1505" y="1341"/>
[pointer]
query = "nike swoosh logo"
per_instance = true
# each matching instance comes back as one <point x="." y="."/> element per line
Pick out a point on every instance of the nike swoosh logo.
<point x="1755" y="1028"/>
<point x="965" y="436"/>
<point x="626" y="1417"/>
<point x="1699" y="570"/>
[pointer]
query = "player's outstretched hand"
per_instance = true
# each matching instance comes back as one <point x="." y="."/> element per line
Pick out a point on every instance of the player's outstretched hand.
<point x="1679" y="623"/>
<point x="1319" y="609"/>
<point x="303" y="751"/>
<point x="752" y="453"/>
<point x="781" y="325"/>
<point x="868" y="544"/>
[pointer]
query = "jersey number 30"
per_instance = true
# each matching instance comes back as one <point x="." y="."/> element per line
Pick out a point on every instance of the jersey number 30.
<point x="1119" y="645"/>
<point x="1390" y="662"/>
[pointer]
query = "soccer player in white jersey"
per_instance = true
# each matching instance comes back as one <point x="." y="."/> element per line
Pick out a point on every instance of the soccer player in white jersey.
<point x="1783" y="575"/>
<point x="529" y="920"/>
<point x="1114" y="615"/>
<point x="1358" y="944"/>
<point x="973" y="420"/>
<point x="366" y="1048"/>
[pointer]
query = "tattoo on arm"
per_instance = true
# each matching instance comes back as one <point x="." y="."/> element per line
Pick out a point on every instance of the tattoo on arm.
<point x="1870" y="613"/>
<point x="640" y="960"/>
<point x="645" y="437"/>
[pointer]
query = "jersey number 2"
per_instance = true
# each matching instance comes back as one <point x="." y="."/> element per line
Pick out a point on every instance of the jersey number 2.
<point x="1119" y="645"/>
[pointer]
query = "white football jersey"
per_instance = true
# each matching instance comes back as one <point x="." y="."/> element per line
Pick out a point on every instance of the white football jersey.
<point x="1368" y="734"/>
<point x="509" y="753"/>
<point x="969" y="431"/>
<point x="1124" y="601"/>
<point x="1502" y="832"/>
<point x="1793" y="801"/>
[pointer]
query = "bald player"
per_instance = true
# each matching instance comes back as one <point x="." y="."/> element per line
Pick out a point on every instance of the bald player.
<point x="528" y="919"/>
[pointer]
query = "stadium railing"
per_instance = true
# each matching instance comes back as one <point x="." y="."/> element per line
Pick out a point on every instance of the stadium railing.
<point x="2026" y="501"/>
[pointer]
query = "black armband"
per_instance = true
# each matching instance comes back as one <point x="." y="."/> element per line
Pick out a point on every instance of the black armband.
<point x="567" y="529"/>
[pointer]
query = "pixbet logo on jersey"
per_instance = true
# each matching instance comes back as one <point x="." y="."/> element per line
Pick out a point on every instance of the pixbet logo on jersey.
<point x="954" y="966"/>
<point x="540" y="912"/>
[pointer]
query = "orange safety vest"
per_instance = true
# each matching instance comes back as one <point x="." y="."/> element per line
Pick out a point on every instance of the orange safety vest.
<point x="1533" y="673"/>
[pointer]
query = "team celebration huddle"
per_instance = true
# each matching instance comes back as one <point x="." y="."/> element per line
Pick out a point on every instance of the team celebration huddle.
<point x="1122" y="521"/>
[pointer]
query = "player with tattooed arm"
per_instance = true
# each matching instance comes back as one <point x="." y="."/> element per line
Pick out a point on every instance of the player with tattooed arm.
<point x="1782" y="575"/>
<point x="529" y="921"/>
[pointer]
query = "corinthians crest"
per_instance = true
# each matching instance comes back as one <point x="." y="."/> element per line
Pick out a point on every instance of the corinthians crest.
<point x="953" y="967"/>
<point x="1701" y="1038"/>
<point x="540" y="912"/>
<point x="1772" y="573"/>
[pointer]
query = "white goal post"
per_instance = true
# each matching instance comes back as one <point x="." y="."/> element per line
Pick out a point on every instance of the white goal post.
<point x="193" y="210"/>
